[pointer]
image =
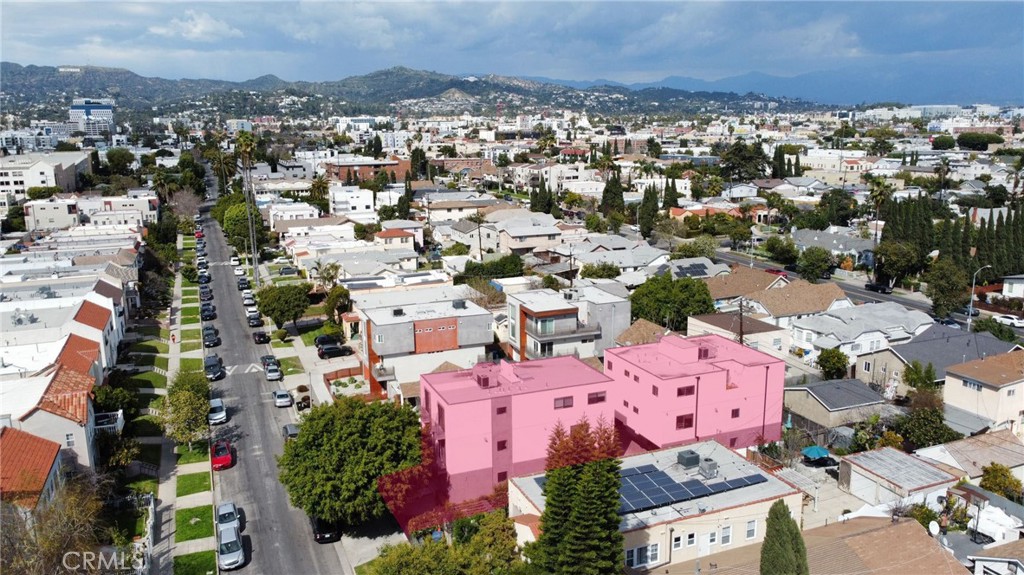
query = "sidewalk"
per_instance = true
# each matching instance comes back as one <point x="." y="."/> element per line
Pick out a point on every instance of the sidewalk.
<point x="316" y="368"/>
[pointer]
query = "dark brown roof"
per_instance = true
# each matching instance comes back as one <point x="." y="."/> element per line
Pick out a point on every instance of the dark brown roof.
<point x="994" y="370"/>
<point x="731" y="322"/>
<point x="741" y="282"/>
<point x="798" y="298"/>
<point x="641" y="332"/>
<point x="108" y="290"/>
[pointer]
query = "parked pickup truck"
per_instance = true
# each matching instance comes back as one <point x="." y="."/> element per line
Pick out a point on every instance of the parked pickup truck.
<point x="878" y="287"/>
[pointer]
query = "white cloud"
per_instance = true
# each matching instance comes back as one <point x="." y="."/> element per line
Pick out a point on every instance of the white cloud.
<point x="197" y="27"/>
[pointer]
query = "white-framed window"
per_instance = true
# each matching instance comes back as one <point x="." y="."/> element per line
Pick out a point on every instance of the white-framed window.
<point x="378" y="338"/>
<point x="726" y="535"/>
<point x="641" y="556"/>
<point x="677" y="542"/>
<point x="867" y="366"/>
<point x="691" y="539"/>
<point x="712" y="537"/>
<point x="777" y="343"/>
<point x="751" y="528"/>
<point x="855" y="347"/>
<point x="69" y="439"/>
<point x="875" y="344"/>
<point x="972" y="385"/>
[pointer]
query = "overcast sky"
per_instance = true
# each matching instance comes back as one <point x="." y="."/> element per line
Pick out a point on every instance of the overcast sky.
<point x="621" y="41"/>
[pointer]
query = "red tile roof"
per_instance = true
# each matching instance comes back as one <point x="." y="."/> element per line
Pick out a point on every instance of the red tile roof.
<point x="27" y="461"/>
<point x="93" y="315"/>
<point x="394" y="233"/>
<point x="68" y="395"/>
<point x="79" y="353"/>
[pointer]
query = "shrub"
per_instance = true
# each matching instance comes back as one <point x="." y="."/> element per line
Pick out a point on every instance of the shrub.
<point x="281" y="334"/>
<point x="190" y="273"/>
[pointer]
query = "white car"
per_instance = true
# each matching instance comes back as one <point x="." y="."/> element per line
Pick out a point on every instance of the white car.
<point x="1010" y="320"/>
<point x="227" y="516"/>
<point x="247" y="294"/>
<point x="234" y="261"/>
<point x="281" y="260"/>
<point x="239" y="271"/>
<point x="230" y="553"/>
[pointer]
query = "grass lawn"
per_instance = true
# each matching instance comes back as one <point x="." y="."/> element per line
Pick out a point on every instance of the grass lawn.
<point x="365" y="568"/>
<point x="187" y="284"/>
<point x="200" y="452"/>
<point x="150" y="379"/>
<point x="193" y="523"/>
<point x="154" y="331"/>
<point x="145" y="359"/>
<point x="150" y="454"/>
<point x="189" y="291"/>
<point x="199" y="563"/>
<point x="193" y="483"/>
<point x="308" y="334"/>
<point x="189" y="319"/>
<point x="279" y="344"/>
<point x="314" y="311"/>
<point x="130" y="522"/>
<point x="191" y="364"/>
<point x="286" y="279"/>
<point x="189" y="311"/>
<point x="143" y="485"/>
<point x="191" y="346"/>
<point x="153" y="346"/>
<point x="146" y="400"/>
<point x="189" y="300"/>
<point x="191" y="335"/>
<point x="291" y="366"/>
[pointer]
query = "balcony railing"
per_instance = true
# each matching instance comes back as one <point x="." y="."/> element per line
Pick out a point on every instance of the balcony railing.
<point x="531" y="354"/>
<point x="383" y="373"/>
<point x="581" y="330"/>
<point x="112" y="422"/>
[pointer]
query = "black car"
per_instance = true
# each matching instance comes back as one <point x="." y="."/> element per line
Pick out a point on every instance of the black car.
<point x="878" y="287"/>
<point x="205" y="295"/>
<point x="255" y="321"/>
<point x="266" y="360"/>
<point x="243" y="284"/>
<point x="207" y="315"/>
<point x="820" y="462"/>
<point x="973" y="311"/>
<point x="288" y="271"/>
<point x="211" y="341"/>
<point x="322" y="340"/>
<point x="325" y="531"/>
<point x="260" y="337"/>
<point x="948" y="322"/>
<point x="213" y="367"/>
<point x="205" y="279"/>
<point x="333" y="350"/>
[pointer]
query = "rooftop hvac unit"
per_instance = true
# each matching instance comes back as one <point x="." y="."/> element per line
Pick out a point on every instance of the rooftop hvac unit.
<point x="459" y="304"/>
<point x="398" y="312"/>
<point x="483" y="381"/>
<point x="709" y="468"/>
<point x="688" y="458"/>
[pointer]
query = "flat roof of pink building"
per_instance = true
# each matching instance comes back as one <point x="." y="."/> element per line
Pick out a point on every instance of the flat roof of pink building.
<point x="676" y="356"/>
<point x="506" y="378"/>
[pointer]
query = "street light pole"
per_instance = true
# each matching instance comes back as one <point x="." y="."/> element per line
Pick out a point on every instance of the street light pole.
<point x="970" y="305"/>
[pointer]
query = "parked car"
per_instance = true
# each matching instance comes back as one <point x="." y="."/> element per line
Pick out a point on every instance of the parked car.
<point x="207" y="314"/>
<point x="218" y="413"/>
<point x="247" y="293"/>
<point x="948" y="322"/>
<point x="325" y="531"/>
<point x="289" y="431"/>
<point x="243" y="284"/>
<point x="260" y="337"/>
<point x="239" y="271"/>
<point x="282" y="398"/>
<point x="255" y="321"/>
<point x="200" y="252"/>
<point x="228" y="517"/>
<point x="778" y="272"/>
<point x="234" y="261"/>
<point x="1009" y="319"/>
<point x="820" y="462"/>
<point x="322" y="340"/>
<point x="211" y="340"/>
<point x="202" y="264"/>
<point x="288" y="271"/>
<point x="281" y="260"/>
<point x="333" y="350"/>
<point x="273" y="373"/>
<point x="220" y="455"/>
<point x="230" y="552"/>
<point x="213" y="367"/>
<point x="248" y="301"/>
<point x="205" y="295"/>
<point x="197" y="218"/>
<point x="199" y="234"/>
<point x="972" y="311"/>
<point x="266" y="360"/>
<point x="878" y="287"/>
<point x="204" y="278"/>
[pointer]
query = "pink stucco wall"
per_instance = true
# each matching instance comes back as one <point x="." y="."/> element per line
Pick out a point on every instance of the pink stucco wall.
<point x="725" y="377"/>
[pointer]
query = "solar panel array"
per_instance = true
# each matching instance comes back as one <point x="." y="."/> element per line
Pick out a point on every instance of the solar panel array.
<point x="647" y="487"/>
<point x="690" y="271"/>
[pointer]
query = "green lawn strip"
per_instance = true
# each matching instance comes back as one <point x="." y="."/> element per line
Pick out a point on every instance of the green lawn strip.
<point x="189" y="300"/>
<point x="146" y="400"/>
<point x="308" y="334"/>
<point x="281" y="344"/>
<point x="291" y="366"/>
<point x="143" y="484"/>
<point x="148" y="379"/>
<point x="199" y="563"/>
<point x="191" y="364"/>
<point x="191" y="335"/>
<point x="152" y="346"/>
<point x="189" y="291"/>
<point x="189" y="319"/>
<point x="130" y="522"/>
<point x="314" y="311"/>
<point x="193" y="483"/>
<point x="191" y="346"/>
<point x="286" y="279"/>
<point x="149" y="454"/>
<point x="193" y="523"/>
<point x="187" y="311"/>
<point x="200" y="452"/>
<point x="187" y="284"/>
<point x="153" y="331"/>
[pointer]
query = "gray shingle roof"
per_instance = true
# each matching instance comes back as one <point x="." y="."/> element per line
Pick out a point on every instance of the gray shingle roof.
<point x="890" y="318"/>
<point x="838" y="394"/>
<point x="943" y="346"/>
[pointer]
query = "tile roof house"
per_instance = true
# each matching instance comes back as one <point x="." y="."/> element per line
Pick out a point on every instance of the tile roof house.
<point x="31" y="468"/>
<point x="968" y="456"/>
<point x="799" y="299"/>
<point x="741" y="282"/>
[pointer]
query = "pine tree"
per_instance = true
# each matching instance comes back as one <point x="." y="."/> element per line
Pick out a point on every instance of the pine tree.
<point x="579" y="549"/>
<point x="982" y="251"/>
<point x="797" y="170"/>
<point x="966" y="241"/>
<point x="612" y="199"/>
<point x="925" y="228"/>
<point x="671" y="198"/>
<point x="945" y="238"/>
<point x="783" y="551"/>
<point x="534" y="200"/>
<point x="559" y="498"/>
<point x="615" y="147"/>
<point x="348" y="177"/>
<point x="788" y="173"/>
<point x="648" y="211"/>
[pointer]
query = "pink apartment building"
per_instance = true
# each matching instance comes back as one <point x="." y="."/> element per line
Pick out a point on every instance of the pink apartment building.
<point x="679" y="390"/>
<point x="492" y="422"/>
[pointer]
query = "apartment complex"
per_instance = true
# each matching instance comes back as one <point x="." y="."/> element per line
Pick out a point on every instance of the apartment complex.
<point x="581" y="321"/>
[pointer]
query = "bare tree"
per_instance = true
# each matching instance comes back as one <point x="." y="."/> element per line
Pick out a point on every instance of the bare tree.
<point x="185" y="203"/>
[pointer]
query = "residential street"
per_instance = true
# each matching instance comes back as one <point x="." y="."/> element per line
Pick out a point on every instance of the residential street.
<point x="278" y="537"/>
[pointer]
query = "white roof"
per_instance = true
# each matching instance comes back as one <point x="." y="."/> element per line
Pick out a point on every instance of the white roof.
<point x="19" y="396"/>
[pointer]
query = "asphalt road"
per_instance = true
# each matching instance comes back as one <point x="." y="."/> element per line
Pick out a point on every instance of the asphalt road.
<point x="277" y="537"/>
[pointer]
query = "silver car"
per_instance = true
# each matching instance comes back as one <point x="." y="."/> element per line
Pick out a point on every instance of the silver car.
<point x="274" y="374"/>
<point x="227" y="517"/>
<point x="282" y="398"/>
<point x="218" y="413"/>
<point x="230" y="553"/>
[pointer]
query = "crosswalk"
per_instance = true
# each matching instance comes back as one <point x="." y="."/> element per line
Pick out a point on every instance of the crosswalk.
<point x="243" y="368"/>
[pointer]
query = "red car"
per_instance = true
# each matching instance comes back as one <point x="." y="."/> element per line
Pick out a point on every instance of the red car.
<point x="778" y="272"/>
<point x="220" y="455"/>
<point x="199" y="234"/>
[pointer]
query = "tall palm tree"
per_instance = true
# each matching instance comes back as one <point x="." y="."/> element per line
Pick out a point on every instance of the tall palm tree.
<point x="318" y="188"/>
<point x="879" y="192"/>
<point x="942" y="170"/>
<point x="159" y="183"/>
<point x="245" y="144"/>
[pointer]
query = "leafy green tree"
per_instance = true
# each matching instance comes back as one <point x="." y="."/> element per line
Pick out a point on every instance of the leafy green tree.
<point x="402" y="208"/>
<point x="947" y="286"/>
<point x="184" y="416"/>
<point x="492" y="550"/>
<point x="668" y="301"/>
<point x="387" y="213"/>
<point x="284" y="303"/>
<point x="896" y="260"/>
<point x="605" y="270"/>
<point x="744" y="162"/>
<point x="977" y="141"/>
<point x="999" y="479"/>
<point x="15" y="220"/>
<point x="42" y="192"/>
<point x="236" y="225"/>
<point x="703" y="246"/>
<point x="833" y="363"/>
<point x="120" y="161"/>
<point x="337" y="302"/>
<point x="783" y="551"/>
<point x="405" y="559"/>
<point x="594" y="223"/>
<point x="456" y="249"/>
<point x="1001" y="331"/>
<point x="107" y="398"/>
<point x="331" y="469"/>
<point x="782" y="250"/>
<point x="551" y="282"/>
<point x="924" y="428"/>
<point x="504" y="267"/>
<point x="918" y="376"/>
<point x="190" y="273"/>
<point x="814" y="262"/>
<point x="615" y="221"/>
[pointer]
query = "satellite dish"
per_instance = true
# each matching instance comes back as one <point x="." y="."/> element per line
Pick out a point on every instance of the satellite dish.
<point x="933" y="528"/>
